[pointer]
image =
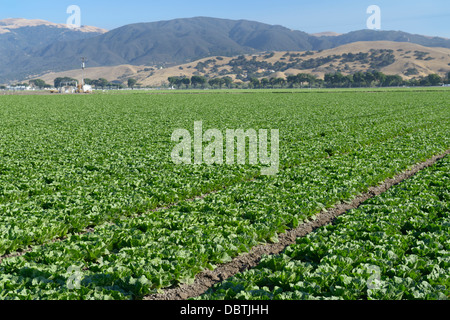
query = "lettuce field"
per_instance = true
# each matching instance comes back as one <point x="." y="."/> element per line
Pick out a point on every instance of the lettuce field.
<point x="93" y="207"/>
<point x="402" y="235"/>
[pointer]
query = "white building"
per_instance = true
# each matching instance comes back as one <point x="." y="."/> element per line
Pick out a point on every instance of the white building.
<point x="19" y="88"/>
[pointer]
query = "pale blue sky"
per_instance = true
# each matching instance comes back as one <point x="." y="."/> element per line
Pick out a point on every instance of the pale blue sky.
<point x="422" y="17"/>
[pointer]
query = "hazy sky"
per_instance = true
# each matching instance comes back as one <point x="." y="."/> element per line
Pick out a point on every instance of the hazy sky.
<point x="429" y="17"/>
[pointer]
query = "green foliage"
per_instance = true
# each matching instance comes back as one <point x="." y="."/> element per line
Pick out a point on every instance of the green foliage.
<point x="403" y="234"/>
<point x="198" y="80"/>
<point x="131" y="82"/>
<point x="103" y="162"/>
<point x="179" y="81"/>
<point x="39" y="83"/>
<point x="58" y="82"/>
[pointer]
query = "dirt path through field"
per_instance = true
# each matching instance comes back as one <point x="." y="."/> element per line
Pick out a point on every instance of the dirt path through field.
<point x="207" y="279"/>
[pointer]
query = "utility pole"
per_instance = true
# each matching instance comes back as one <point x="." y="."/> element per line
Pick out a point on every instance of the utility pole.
<point x="83" y="66"/>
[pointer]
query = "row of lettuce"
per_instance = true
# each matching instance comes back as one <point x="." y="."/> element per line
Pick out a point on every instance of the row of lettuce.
<point x="69" y="164"/>
<point x="395" y="246"/>
<point x="137" y="256"/>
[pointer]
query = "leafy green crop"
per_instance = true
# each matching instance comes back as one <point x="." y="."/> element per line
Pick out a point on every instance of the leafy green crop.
<point x="69" y="163"/>
<point x="402" y="234"/>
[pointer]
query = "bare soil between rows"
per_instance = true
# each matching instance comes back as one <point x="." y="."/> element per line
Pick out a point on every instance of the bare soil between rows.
<point x="207" y="279"/>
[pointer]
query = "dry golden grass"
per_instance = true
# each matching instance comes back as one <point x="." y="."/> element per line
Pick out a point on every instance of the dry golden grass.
<point x="14" y="23"/>
<point x="404" y="56"/>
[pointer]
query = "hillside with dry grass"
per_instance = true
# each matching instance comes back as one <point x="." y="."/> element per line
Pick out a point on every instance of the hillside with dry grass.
<point x="392" y="58"/>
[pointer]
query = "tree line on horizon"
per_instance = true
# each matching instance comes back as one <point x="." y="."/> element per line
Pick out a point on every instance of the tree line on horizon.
<point x="302" y="80"/>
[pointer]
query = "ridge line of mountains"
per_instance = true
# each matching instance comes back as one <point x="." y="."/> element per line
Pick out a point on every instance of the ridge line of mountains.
<point x="36" y="48"/>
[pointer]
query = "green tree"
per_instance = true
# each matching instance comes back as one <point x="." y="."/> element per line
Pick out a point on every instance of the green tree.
<point x="198" y="80"/>
<point x="379" y="77"/>
<point x="220" y="82"/>
<point x="392" y="81"/>
<point x="312" y="79"/>
<point x="358" y="78"/>
<point x="103" y="82"/>
<point x="186" y="82"/>
<point x="334" y="80"/>
<point x="434" y="79"/>
<point x="95" y="83"/>
<point x="213" y="82"/>
<point x="255" y="83"/>
<point x="131" y="83"/>
<point x="265" y="82"/>
<point x="39" y="83"/>
<point x="217" y="82"/>
<point x="292" y="80"/>
<point x="228" y="82"/>
<point x="425" y="82"/>
<point x="302" y="78"/>
<point x="173" y="81"/>
<point x="348" y="81"/>
<point x="414" y="82"/>
<point x="369" y="78"/>
<point x="277" y="82"/>
<point x="58" y="82"/>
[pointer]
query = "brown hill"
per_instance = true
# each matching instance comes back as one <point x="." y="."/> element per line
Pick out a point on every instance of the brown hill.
<point x="6" y="25"/>
<point x="405" y="59"/>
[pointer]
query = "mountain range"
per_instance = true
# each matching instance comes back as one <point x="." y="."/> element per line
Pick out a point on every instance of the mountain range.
<point x="29" y="48"/>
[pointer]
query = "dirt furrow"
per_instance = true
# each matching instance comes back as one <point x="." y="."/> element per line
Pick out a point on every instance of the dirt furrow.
<point x="208" y="278"/>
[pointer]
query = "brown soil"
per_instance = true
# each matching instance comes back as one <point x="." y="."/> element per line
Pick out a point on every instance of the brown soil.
<point x="207" y="279"/>
<point x="24" y="93"/>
